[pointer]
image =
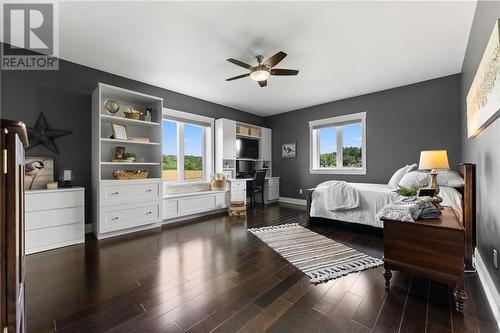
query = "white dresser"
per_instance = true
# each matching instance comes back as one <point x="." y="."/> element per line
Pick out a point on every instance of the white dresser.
<point x="54" y="218"/>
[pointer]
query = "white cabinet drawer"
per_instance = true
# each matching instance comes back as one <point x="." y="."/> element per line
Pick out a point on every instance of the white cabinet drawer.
<point x="238" y="186"/>
<point x="121" y="217"/>
<point x="274" y="193"/>
<point x="170" y="208"/>
<point x="50" y="238"/>
<point x="196" y="204"/>
<point x="116" y="193"/>
<point x="45" y="200"/>
<point x="273" y="181"/>
<point x="222" y="200"/>
<point x="238" y="195"/>
<point x="51" y="218"/>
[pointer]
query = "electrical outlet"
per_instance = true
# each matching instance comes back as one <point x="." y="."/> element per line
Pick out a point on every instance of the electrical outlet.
<point x="300" y="191"/>
<point x="495" y="258"/>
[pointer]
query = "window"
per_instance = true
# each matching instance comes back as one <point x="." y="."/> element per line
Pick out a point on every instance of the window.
<point x="169" y="150"/>
<point x="338" y="144"/>
<point x="193" y="152"/>
<point x="187" y="146"/>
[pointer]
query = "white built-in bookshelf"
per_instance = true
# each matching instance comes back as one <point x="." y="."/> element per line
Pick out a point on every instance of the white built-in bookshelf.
<point x="122" y="206"/>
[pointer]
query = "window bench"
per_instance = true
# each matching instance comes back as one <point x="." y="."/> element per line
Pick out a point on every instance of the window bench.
<point x="182" y="206"/>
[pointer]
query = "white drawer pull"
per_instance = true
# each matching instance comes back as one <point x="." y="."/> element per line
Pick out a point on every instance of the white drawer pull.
<point x="114" y="193"/>
<point x="115" y="218"/>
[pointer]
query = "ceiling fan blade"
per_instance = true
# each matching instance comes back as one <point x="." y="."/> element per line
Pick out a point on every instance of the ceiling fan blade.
<point x="275" y="59"/>
<point x="262" y="84"/>
<point x="238" y="77"/>
<point x="239" y="63"/>
<point x="282" y="71"/>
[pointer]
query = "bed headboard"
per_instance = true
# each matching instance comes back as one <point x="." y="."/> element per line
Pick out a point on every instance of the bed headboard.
<point x="468" y="172"/>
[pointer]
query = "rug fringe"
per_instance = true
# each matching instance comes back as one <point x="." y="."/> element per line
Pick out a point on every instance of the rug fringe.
<point x="326" y="274"/>
<point x="275" y="227"/>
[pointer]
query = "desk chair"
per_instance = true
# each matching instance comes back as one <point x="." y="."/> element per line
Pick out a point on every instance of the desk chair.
<point x="257" y="186"/>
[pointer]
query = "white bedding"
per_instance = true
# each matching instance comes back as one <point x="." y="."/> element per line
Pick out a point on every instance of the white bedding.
<point x="372" y="197"/>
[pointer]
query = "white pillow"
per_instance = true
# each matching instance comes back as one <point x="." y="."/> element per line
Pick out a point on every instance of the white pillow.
<point x="412" y="167"/>
<point x="396" y="177"/>
<point x="450" y="178"/>
<point x="415" y="178"/>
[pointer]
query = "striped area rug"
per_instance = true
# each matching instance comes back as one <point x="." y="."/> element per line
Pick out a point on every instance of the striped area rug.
<point x="319" y="257"/>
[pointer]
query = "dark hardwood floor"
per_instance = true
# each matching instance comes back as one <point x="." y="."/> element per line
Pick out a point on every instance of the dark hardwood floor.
<point x="215" y="276"/>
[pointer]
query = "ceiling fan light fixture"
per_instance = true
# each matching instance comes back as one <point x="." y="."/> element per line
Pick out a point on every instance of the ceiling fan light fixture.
<point x="260" y="73"/>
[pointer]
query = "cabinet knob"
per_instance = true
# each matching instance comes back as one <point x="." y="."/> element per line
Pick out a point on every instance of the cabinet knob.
<point x="149" y="190"/>
<point x="114" y="193"/>
<point x="115" y="218"/>
<point x="149" y="213"/>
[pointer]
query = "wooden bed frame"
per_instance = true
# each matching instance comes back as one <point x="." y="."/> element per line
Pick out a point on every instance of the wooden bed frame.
<point x="468" y="172"/>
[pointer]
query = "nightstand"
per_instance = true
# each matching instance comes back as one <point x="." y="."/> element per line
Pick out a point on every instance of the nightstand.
<point x="431" y="248"/>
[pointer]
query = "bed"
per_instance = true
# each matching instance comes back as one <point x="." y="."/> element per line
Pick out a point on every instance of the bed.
<point x="372" y="197"/>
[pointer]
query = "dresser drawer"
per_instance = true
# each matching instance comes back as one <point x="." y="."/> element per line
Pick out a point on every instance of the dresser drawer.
<point x="239" y="186"/>
<point x="50" y="218"/>
<point x="54" y="237"/>
<point x="238" y="195"/>
<point x="121" y="217"/>
<point x="57" y="199"/>
<point x="116" y="193"/>
<point x="273" y="182"/>
<point x="273" y="192"/>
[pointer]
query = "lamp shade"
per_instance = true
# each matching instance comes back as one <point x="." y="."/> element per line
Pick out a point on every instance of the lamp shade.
<point x="433" y="159"/>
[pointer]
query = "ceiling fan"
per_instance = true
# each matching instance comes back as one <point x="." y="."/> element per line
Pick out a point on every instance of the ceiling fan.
<point x="264" y="69"/>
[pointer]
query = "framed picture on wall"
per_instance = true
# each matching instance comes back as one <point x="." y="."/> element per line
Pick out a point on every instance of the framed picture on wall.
<point x="38" y="172"/>
<point x="483" y="99"/>
<point x="289" y="150"/>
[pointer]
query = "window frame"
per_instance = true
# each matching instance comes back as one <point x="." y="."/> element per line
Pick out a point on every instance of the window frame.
<point x="207" y="124"/>
<point x="338" y="122"/>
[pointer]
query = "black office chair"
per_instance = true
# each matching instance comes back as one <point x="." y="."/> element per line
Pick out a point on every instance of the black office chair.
<point x="258" y="186"/>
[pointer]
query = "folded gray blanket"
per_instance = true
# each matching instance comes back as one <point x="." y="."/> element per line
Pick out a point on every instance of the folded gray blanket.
<point x="430" y="211"/>
<point x="409" y="209"/>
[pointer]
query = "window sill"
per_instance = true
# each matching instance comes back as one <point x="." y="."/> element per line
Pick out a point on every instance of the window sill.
<point x="339" y="171"/>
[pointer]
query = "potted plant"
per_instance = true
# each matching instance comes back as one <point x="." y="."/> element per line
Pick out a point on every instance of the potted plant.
<point x="130" y="157"/>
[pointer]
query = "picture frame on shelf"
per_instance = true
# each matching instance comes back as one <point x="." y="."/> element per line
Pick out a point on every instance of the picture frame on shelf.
<point x="38" y="172"/>
<point x="119" y="131"/>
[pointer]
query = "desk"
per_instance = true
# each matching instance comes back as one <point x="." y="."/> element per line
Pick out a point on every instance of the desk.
<point x="238" y="188"/>
<point x="431" y="248"/>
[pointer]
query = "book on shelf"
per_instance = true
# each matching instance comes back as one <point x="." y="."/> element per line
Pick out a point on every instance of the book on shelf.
<point x="138" y="139"/>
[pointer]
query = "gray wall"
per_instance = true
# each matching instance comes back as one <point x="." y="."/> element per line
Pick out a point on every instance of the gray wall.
<point x="400" y="123"/>
<point x="64" y="96"/>
<point x="483" y="149"/>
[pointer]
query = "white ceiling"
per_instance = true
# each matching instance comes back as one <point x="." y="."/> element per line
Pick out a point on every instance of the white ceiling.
<point x="342" y="49"/>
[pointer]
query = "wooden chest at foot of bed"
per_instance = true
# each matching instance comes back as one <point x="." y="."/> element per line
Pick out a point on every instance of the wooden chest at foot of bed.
<point x="431" y="248"/>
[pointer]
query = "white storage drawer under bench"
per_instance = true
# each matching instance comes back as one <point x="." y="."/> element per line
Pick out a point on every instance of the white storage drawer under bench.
<point x="179" y="205"/>
<point x="54" y="218"/>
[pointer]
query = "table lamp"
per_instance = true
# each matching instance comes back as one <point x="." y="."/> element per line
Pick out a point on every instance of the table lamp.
<point x="433" y="160"/>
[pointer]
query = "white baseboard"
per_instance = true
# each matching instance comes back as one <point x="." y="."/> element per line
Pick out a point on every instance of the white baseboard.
<point x="193" y="216"/>
<point x="294" y="201"/>
<point x="489" y="287"/>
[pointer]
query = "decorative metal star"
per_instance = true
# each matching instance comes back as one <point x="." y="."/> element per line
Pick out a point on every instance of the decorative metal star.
<point x="44" y="135"/>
